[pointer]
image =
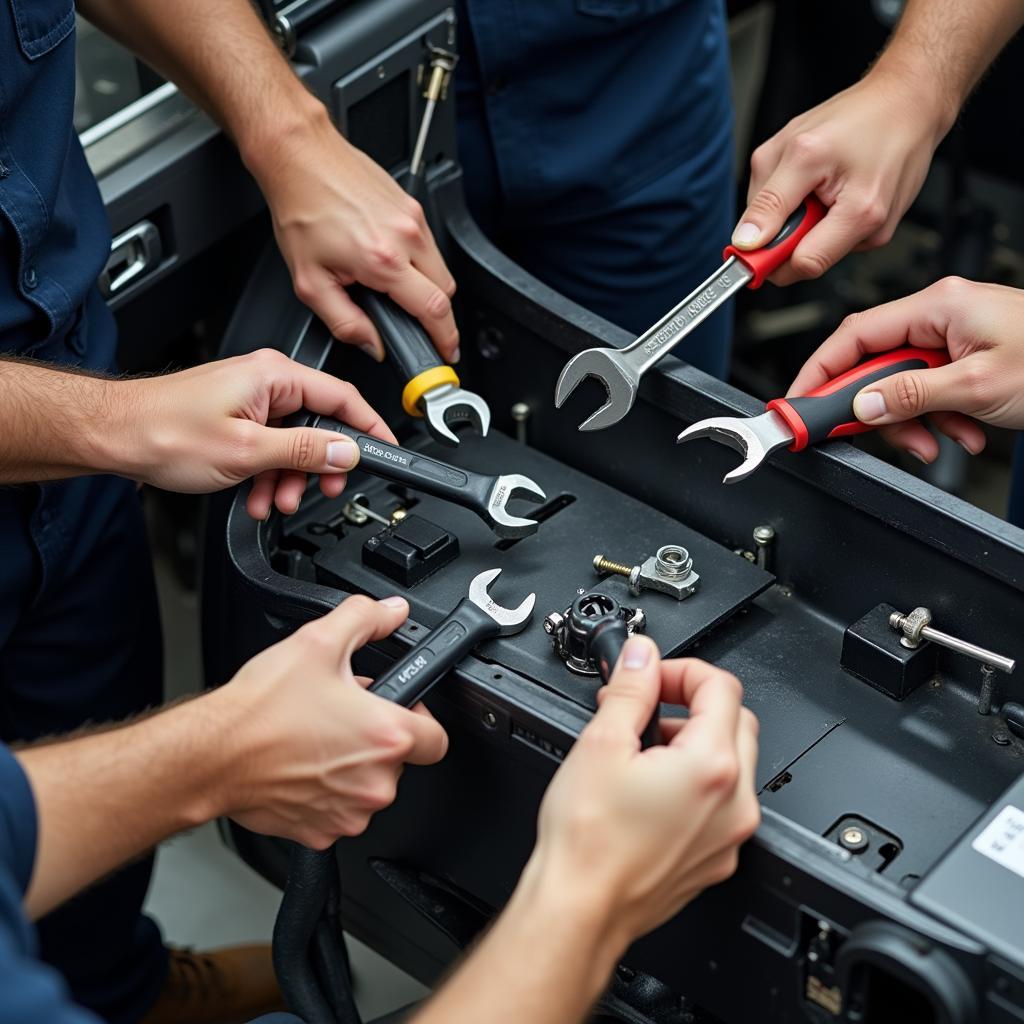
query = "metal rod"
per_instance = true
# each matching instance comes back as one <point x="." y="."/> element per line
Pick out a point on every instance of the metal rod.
<point x="971" y="650"/>
<point x="988" y="685"/>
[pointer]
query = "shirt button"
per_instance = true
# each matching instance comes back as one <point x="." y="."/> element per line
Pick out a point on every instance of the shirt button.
<point x="30" y="279"/>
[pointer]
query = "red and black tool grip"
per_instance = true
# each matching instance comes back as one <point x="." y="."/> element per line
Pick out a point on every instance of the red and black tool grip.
<point x="827" y="411"/>
<point x="763" y="262"/>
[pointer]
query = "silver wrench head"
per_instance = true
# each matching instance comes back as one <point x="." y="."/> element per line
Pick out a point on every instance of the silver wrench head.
<point x="447" y="405"/>
<point x="512" y="485"/>
<point x="609" y="367"/>
<point x="755" y="438"/>
<point x="509" y="621"/>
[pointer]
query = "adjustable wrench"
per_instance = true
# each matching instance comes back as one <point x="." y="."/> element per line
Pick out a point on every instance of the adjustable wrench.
<point x="620" y="369"/>
<point x="487" y="496"/>
<point x="476" y="618"/>
<point x="823" y="413"/>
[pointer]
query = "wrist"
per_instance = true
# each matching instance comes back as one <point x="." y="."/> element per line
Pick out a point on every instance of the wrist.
<point x="270" y="143"/>
<point x="915" y="84"/>
<point x="561" y="907"/>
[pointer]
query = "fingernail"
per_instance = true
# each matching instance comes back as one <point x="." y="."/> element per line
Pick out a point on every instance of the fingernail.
<point x="967" y="448"/>
<point x="636" y="653"/>
<point x="869" y="406"/>
<point x="746" y="234"/>
<point x="343" y="454"/>
<point x="393" y="602"/>
<point x="918" y="456"/>
<point x="456" y="355"/>
<point x="372" y="351"/>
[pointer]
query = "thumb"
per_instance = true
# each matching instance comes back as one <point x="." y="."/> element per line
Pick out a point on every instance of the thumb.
<point x="632" y="693"/>
<point x="302" y="448"/>
<point x="903" y="396"/>
<point x="769" y="207"/>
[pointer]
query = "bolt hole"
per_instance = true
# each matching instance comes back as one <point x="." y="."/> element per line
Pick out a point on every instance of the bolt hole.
<point x="498" y="675"/>
<point x="413" y="628"/>
<point x="673" y="556"/>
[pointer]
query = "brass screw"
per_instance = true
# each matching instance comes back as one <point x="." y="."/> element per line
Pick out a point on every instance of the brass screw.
<point x="601" y="564"/>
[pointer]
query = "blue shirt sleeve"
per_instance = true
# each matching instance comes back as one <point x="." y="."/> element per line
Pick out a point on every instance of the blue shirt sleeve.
<point x="30" y="991"/>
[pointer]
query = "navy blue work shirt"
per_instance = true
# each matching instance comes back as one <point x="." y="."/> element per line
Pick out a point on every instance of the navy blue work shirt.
<point x="54" y="233"/>
<point x="30" y="991"/>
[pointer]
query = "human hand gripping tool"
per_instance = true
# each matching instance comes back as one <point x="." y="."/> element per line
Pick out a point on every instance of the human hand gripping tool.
<point x="826" y="412"/>
<point x="477" y="617"/>
<point x="620" y="369"/>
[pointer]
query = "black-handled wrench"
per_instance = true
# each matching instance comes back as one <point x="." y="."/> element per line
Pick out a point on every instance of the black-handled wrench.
<point x="475" y="618"/>
<point x="488" y="496"/>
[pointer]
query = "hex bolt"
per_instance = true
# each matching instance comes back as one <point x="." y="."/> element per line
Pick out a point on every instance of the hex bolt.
<point x="764" y="537"/>
<point x="521" y="416"/>
<point x="988" y="685"/>
<point x="668" y="571"/>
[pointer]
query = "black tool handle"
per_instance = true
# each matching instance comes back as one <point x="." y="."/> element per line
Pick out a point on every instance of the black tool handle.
<point x="403" y="466"/>
<point x="827" y="411"/>
<point x="605" y="647"/>
<point x="406" y="342"/>
<point x="409" y="679"/>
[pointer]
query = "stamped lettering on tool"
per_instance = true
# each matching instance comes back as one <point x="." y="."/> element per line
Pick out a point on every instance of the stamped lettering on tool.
<point x="1002" y="840"/>
<point x="499" y="496"/>
<point x="412" y="669"/>
<point x="385" y="453"/>
<point x="685" y="316"/>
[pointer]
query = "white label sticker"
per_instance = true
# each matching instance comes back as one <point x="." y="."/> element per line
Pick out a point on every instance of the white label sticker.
<point x="1003" y="839"/>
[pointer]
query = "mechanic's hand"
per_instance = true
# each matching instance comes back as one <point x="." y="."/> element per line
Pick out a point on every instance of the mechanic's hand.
<point x="340" y="218"/>
<point x="865" y="152"/>
<point x="980" y="325"/>
<point x="317" y="754"/>
<point x="204" y="429"/>
<point x="641" y="833"/>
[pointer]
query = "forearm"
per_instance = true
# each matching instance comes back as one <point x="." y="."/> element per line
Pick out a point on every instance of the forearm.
<point x="105" y="798"/>
<point x="222" y="56"/>
<point x="51" y="422"/>
<point x="546" y="960"/>
<point x="946" y="45"/>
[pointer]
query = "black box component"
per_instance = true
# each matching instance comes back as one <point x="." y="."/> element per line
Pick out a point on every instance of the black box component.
<point x="873" y="653"/>
<point x="410" y="550"/>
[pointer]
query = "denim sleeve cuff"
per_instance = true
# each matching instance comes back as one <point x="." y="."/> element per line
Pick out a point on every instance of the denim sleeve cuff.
<point x="18" y="824"/>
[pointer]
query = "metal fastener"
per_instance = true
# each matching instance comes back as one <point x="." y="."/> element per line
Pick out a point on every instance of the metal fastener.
<point x="521" y="416"/>
<point x="854" y="839"/>
<point x="764" y="537"/>
<point x="1001" y="737"/>
<point x="490" y="719"/>
<point x="669" y="571"/>
<point x="988" y="686"/>
<point x="915" y="628"/>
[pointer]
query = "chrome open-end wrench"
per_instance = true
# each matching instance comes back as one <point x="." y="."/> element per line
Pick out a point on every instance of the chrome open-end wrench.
<point x="825" y="412"/>
<point x="476" y="618"/>
<point x="432" y="390"/>
<point x="620" y="369"/>
<point x="487" y="496"/>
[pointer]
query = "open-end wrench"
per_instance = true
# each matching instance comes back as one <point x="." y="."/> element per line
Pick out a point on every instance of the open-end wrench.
<point x="823" y="413"/>
<point x="432" y="388"/>
<point x="620" y="369"/>
<point x="487" y="496"/>
<point x="476" y="618"/>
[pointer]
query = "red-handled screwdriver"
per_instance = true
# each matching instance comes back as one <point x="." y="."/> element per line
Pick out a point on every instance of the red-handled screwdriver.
<point x="620" y="369"/>
<point x="825" y="412"/>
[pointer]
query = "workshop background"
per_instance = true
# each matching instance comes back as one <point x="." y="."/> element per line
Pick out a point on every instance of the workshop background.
<point x="969" y="220"/>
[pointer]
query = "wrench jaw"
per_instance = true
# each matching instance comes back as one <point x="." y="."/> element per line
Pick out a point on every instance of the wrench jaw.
<point x="447" y="405"/>
<point x="504" y="525"/>
<point x="618" y="378"/>
<point x="736" y="434"/>
<point x="509" y="621"/>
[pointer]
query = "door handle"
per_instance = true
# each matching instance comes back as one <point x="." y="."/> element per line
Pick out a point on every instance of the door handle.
<point x="133" y="253"/>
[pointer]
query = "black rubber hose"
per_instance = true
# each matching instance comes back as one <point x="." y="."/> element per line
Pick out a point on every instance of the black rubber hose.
<point x="332" y="957"/>
<point x="302" y="907"/>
